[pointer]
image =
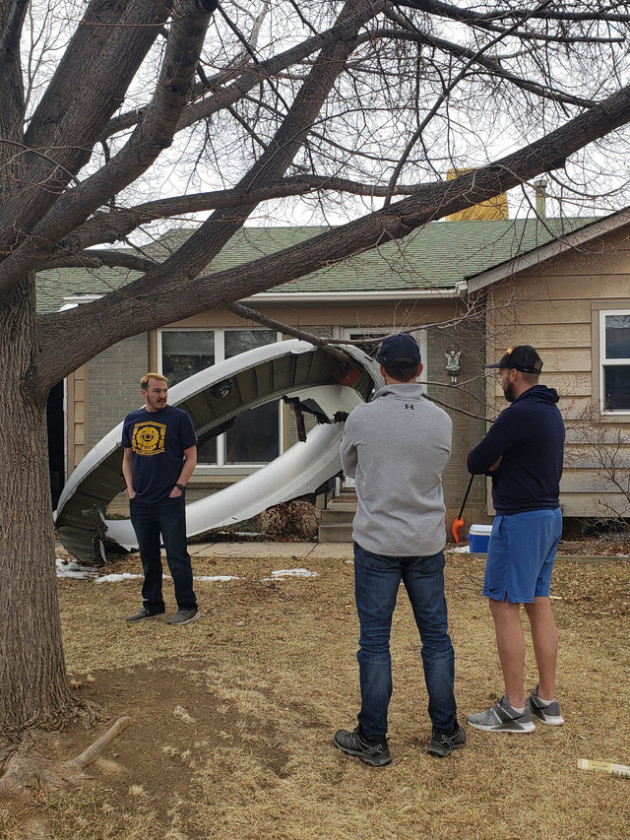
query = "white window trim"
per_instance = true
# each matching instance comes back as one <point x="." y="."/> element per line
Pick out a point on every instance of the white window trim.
<point x="602" y="360"/>
<point x="419" y="334"/>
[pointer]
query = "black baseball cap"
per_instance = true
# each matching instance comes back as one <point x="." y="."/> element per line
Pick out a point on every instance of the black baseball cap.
<point x="523" y="358"/>
<point x="399" y="350"/>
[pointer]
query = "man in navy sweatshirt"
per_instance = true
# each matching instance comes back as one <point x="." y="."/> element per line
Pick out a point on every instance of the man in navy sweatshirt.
<point x="523" y="452"/>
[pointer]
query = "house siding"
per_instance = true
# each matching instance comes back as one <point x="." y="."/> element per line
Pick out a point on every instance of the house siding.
<point x="554" y="308"/>
<point x="77" y="417"/>
<point x="114" y="385"/>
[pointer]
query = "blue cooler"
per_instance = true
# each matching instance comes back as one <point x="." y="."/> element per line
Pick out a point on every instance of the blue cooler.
<point x="478" y="538"/>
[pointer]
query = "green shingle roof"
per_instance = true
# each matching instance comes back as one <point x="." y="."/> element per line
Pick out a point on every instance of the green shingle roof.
<point x="438" y="256"/>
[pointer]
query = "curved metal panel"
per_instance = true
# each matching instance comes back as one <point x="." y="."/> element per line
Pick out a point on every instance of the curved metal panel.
<point x="213" y="397"/>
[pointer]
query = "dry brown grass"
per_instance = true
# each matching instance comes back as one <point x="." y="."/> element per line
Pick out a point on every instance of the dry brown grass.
<point x="234" y="717"/>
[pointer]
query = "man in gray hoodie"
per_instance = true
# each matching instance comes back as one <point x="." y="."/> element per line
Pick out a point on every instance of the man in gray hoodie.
<point x="396" y="448"/>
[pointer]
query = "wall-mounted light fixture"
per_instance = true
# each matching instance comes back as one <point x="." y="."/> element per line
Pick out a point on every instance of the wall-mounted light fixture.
<point x="453" y="366"/>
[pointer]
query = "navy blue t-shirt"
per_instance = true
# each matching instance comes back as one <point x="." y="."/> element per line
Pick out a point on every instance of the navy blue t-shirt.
<point x="157" y="440"/>
<point x="529" y="436"/>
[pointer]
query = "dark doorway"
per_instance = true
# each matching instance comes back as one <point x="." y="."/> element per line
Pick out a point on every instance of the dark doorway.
<point x="56" y="438"/>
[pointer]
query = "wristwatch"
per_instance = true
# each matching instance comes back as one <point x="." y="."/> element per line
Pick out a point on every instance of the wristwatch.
<point x="181" y="487"/>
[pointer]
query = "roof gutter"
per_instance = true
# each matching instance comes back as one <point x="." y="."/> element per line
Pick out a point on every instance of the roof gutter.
<point x="448" y="292"/>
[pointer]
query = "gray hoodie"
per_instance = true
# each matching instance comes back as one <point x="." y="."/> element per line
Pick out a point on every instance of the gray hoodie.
<point x="396" y="448"/>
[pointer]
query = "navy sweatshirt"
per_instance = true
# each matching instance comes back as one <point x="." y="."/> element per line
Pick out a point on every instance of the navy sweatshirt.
<point x="529" y="435"/>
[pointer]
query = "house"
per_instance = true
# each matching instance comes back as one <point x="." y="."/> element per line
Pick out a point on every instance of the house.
<point x="468" y="289"/>
<point x="570" y="298"/>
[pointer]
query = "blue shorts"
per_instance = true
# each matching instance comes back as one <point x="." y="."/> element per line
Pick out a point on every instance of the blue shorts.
<point x="521" y="552"/>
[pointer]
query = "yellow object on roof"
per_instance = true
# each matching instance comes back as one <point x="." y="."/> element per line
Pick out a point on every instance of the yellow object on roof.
<point x="491" y="210"/>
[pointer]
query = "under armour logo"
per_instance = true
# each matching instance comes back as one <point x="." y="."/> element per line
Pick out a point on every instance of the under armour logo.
<point x="408" y="405"/>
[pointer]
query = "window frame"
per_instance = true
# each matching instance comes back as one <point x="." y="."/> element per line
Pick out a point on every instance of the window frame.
<point x="602" y="361"/>
<point x="420" y="334"/>
<point x="220" y="466"/>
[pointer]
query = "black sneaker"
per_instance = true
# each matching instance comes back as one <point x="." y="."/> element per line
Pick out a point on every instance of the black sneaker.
<point x="443" y="743"/>
<point x="143" y="612"/>
<point x="353" y="743"/>
<point x="184" y="616"/>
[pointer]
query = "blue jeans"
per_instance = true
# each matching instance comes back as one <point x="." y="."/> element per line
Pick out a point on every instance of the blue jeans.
<point x="377" y="580"/>
<point x="168" y="518"/>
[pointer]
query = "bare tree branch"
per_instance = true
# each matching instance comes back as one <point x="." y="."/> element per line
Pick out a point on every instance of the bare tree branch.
<point x="11" y="96"/>
<point x="68" y="118"/>
<point x="141" y="304"/>
<point x="468" y="16"/>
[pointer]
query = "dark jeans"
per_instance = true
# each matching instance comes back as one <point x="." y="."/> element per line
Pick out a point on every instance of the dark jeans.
<point x="377" y="580"/>
<point x="168" y="518"/>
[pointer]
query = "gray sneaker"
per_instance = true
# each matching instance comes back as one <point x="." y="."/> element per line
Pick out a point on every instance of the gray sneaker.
<point x="443" y="743"/>
<point x="503" y="718"/>
<point x="354" y="743"/>
<point x="142" y="613"/>
<point x="546" y="712"/>
<point x="184" y="616"/>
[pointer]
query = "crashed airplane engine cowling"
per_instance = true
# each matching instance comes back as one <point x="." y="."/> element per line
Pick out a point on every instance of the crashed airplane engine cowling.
<point x="308" y="378"/>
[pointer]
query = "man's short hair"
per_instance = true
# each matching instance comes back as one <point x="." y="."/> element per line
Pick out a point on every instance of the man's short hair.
<point x="403" y="374"/>
<point x="145" y="379"/>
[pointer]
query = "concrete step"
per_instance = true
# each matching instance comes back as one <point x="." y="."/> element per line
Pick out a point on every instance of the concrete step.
<point x="345" y="496"/>
<point x="336" y="524"/>
<point x="337" y="516"/>
<point x="347" y="506"/>
<point x="335" y="533"/>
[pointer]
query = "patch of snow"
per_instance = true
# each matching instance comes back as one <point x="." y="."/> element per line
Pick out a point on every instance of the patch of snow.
<point x="72" y="569"/>
<point x="281" y="574"/>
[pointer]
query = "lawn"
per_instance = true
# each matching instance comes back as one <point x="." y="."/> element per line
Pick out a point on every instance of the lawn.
<point x="234" y="716"/>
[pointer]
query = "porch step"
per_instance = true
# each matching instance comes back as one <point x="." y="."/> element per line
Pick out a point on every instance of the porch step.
<point x="338" y="514"/>
<point x="335" y="534"/>
<point x="336" y="523"/>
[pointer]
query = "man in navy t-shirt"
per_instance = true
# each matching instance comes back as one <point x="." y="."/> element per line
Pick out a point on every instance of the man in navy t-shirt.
<point x="160" y="454"/>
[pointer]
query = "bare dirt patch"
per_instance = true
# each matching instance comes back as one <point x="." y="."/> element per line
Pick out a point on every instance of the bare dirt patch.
<point x="234" y="716"/>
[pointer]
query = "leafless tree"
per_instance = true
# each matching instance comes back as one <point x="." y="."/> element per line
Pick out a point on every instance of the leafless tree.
<point x="119" y="115"/>
<point x="603" y="450"/>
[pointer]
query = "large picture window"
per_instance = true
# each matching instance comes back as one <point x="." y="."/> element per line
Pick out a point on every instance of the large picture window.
<point x="255" y="436"/>
<point x="615" y="360"/>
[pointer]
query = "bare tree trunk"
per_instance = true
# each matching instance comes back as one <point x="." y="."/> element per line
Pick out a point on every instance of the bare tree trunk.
<point x="33" y="685"/>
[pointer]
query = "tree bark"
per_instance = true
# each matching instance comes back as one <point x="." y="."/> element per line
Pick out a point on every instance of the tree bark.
<point x="33" y="685"/>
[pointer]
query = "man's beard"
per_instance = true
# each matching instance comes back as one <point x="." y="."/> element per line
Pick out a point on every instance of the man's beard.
<point x="508" y="392"/>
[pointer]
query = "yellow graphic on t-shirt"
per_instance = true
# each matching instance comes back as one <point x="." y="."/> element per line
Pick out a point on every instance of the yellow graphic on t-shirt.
<point x="148" y="438"/>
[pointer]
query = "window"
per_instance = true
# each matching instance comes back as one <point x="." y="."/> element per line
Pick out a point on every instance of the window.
<point x="615" y="360"/>
<point x="185" y="352"/>
<point x="372" y="346"/>
<point x="255" y="436"/>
